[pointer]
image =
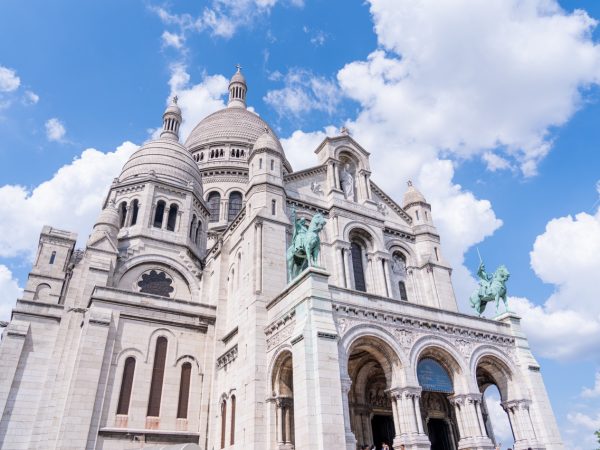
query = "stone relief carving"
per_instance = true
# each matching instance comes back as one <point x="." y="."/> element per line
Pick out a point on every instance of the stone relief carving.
<point x="405" y="337"/>
<point x="316" y="188"/>
<point x="228" y="357"/>
<point x="382" y="208"/>
<point x="279" y="337"/>
<point x="464" y="347"/>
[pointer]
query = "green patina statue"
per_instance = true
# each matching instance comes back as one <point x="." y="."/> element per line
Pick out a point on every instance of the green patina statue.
<point x="491" y="288"/>
<point x="306" y="244"/>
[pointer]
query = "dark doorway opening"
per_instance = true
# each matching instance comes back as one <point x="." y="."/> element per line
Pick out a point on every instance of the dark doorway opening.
<point x="439" y="435"/>
<point x="383" y="430"/>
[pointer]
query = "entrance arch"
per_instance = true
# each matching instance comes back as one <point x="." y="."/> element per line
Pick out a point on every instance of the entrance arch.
<point x="374" y="368"/>
<point x="437" y="371"/>
<point x="282" y="387"/>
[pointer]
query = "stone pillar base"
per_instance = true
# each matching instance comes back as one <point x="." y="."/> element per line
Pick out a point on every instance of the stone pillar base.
<point x="475" y="443"/>
<point x="526" y="444"/>
<point x="412" y="442"/>
<point x="350" y="441"/>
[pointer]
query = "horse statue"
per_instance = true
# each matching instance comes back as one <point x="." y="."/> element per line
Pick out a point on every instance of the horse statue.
<point x="306" y="244"/>
<point x="491" y="288"/>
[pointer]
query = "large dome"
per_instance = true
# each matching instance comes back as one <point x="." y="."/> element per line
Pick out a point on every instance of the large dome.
<point x="166" y="159"/>
<point x="228" y="125"/>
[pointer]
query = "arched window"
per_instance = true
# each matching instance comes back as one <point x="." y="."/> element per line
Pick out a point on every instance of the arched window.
<point x="122" y="214"/>
<point x="172" y="219"/>
<point x="402" y="289"/>
<point x="192" y="226"/>
<point x="214" y="206"/>
<point x="235" y="205"/>
<point x="134" y="212"/>
<point x="158" y="214"/>
<point x="126" y="386"/>
<point x="158" y="374"/>
<point x="52" y="258"/>
<point x="437" y="254"/>
<point x="232" y="430"/>
<point x="223" y="421"/>
<point x="184" y="391"/>
<point x="198" y="230"/>
<point x="417" y="213"/>
<point x="273" y="207"/>
<point x="356" y="252"/>
<point x="272" y="164"/>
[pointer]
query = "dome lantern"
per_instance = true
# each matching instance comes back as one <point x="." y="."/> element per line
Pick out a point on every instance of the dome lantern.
<point x="171" y="121"/>
<point x="237" y="89"/>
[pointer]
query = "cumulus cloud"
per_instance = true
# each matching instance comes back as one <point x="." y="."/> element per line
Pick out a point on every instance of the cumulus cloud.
<point x="55" y="130"/>
<point x="303" y="92"/>
<point x="499" y="418"/>
<point x="9" y="292"/>
<point x="173" y="40"/>
<point x="71" y="200"/>
<point x="300" y="146"/>
<point x="30" y="98"/>
<point x="566" y="255"/>
<point x="196" y="100"/>
<point x="9" y="81"/>
<point x="594" y="391"/>
<point x="468" y="77"/>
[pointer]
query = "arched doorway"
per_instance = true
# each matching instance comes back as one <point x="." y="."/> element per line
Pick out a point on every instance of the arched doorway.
<point x="439" y="417"/>
<point x="371" y="366"/>
<point x="282" y="385"/>
<point x="493" y="380"/>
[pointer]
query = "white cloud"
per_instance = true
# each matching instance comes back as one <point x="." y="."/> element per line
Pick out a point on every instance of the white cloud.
<point x="221" y="18"/>
<point x="499" y="418"/>
<point x="593" y="391"/>
<point x="30" y="98"/>
<point x="173" y="40"/>
<point x="9" y="81"/>
<point x="196" y="100"/>
<point x="567" y="256"/>
<point x="300" y="146"/>
<point x="71" y="200"/>
<point x="304" y="92"/>
<point x="586" y="421"/>
<point x="9" y="292"/>
<point x="55" y="130"/>
<point x="466" y="77"/>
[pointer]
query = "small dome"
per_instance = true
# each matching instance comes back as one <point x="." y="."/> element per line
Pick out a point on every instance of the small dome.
<point x="238" y="77"/>
<point x="173" y="108"/>
<point x="267" y="140"/>
<point x="412" y="195"/>
<point x="167" y="160"/>
<point x="109" y="216"/>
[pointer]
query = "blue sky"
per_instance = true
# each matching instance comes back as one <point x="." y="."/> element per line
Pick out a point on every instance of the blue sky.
<point x="491" y="107"/>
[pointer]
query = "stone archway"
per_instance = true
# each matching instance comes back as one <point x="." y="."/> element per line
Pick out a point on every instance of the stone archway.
<point x="371" y="366"/>
<point x="282" y="400"/>
<point x="436" y="371"/>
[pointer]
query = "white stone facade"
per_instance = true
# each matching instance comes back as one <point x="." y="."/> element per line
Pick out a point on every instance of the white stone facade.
<point x="177" y="325"/>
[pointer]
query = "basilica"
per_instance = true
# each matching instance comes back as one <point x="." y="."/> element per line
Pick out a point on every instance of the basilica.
<point x="182" y="325"/>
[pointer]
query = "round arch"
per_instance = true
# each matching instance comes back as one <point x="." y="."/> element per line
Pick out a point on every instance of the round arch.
<point x="489" y="366"/>
<point x="444" y="353"/>
<point x="365" y="232"/>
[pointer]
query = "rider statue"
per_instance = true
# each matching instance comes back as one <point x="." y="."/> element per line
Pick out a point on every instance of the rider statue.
<point x="491" y="288"/>
<point x="304" y="249"/>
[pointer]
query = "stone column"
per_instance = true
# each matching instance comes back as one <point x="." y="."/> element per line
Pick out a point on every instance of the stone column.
<point x="178" y="220"/>
<point x="342" y="267"/>
<point x="129" y="211"/>
<point x="347" y="268"/>
<point x="346" y="385"/>
<point x="522" y="426"/>
<point x="409" y="431"/>
<point x="470" y="421"/>
<point x="258" y="226"/>
<point x="388" y="279"/>
<point x="279" y="405"/>
<point x="165" y="217"/>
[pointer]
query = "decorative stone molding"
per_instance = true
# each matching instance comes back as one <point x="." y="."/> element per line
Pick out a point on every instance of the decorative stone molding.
<point x="306" y="173"/>
<point x="324" y="335"/>
<point x="228" y="357"/>
<point x="280" y="336"/>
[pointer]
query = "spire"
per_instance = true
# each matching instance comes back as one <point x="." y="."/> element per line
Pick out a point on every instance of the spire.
<point x="237" y="89"/>
<point x="171" y="121"/>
